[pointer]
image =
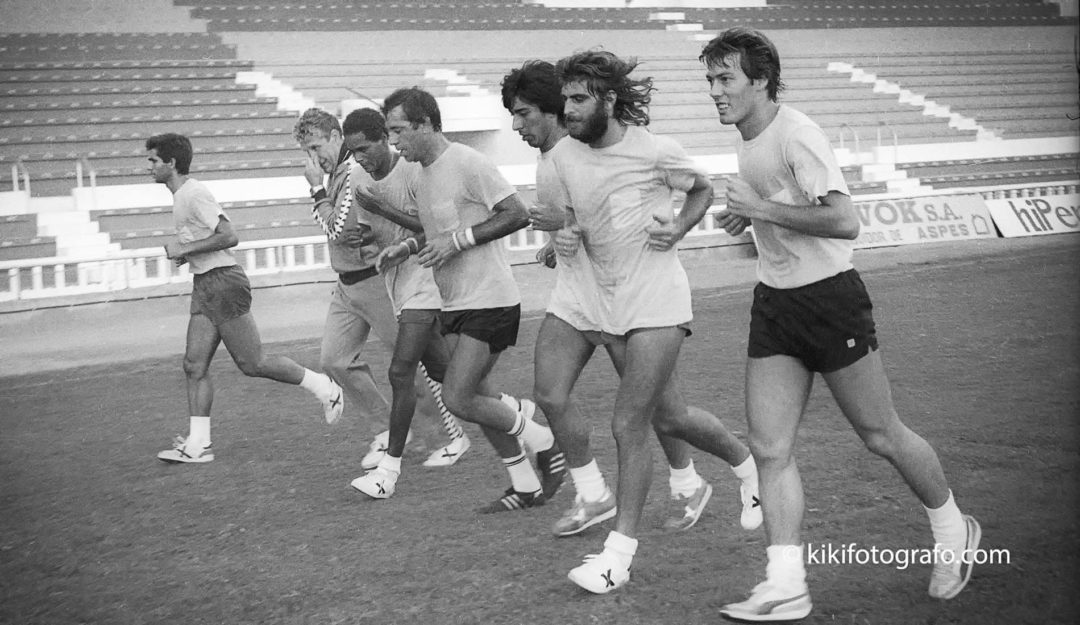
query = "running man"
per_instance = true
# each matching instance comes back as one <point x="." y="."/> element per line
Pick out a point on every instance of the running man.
<point x="565" y="343"/>
<point x="220" y="301"/>
<point x="810" y="313"/>
<point x="466" y="207"/>
<point x="617" y="182"/>
<point x="359" y="304"/>
<point x="386" y="188"/>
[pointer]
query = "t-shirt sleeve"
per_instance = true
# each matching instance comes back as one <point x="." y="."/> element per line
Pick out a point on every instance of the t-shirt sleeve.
<point x="679" y="170"/>
<point x="205" y="209"/>
<point x="487" y="184"/>
<point x="813" y="163"/>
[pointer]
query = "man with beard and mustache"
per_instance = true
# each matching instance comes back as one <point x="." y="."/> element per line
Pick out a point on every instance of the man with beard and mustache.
<point x="810" y="314"/>
<point x="570" y="332"/>
<point x="617" y="181"/>
<point x="466" y="207"/>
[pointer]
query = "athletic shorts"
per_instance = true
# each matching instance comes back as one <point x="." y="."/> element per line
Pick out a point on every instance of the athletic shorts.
<point x="419" y="316"/>
<point x="828" y="325"/>
<point x="498" y="327"/>
<point x="221" y="294"/>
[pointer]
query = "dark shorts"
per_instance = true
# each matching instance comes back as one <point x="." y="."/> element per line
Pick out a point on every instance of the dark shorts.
<point x="419" y="316"/>
<point x="498" y="327"/>
<point x="828" y="325"/>
<point x="221" y="294"/>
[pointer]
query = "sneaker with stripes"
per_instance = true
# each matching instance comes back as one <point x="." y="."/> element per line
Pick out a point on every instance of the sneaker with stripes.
<point x="513" y="500"/>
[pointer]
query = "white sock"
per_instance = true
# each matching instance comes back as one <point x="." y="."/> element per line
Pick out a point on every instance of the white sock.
<point x="531" y="434"/>
<point x="198" y="430"/>
<point x="589" y="481"/>
<point x="683" y="482"/>
<point x="391" y="464"/>
<point x="318" y="384"/>
<point x="747" y="471"/>
<point x="622" y="547"/>
<point x="522" y="476"/>
<point x="786" y="565"/>
<point x="948" y="525"/>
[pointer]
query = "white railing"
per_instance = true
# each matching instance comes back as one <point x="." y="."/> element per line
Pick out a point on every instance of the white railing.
<point x="148" y="267"/>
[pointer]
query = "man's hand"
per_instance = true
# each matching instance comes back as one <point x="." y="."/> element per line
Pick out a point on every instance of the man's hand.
<point x="438" y="250"/>
<point x="546" y="256"/>
<point x="546" y="218"/>
<point x="391" y="257"/>
<point x="313" y="170"/>
<point x="663" y="233"/>
<point x="356" y="237"/>
<point x="742" y="200"/>
<point x="732" y="224"/>
<point x="568" y="239"/>
<point x="174" y="252"/>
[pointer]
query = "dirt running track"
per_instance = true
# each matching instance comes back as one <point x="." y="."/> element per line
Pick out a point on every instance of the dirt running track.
<point x="980" y="339"/>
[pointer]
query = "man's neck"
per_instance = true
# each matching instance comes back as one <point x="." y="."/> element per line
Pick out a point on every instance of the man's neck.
<point x="176" y="182"/>
<point x="555" y="137"/>
<point x="756" y="124"/>
<point x="385" y="168"/>
<point x="439" y="144"/>
<point x="614" y="134"/>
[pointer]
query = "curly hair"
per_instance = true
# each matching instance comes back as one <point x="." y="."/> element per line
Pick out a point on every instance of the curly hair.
<point x="535" y="83"/>
<point x="315" y="120"/>
<point x="602" y="71"/>
<point x="758" y="57"/>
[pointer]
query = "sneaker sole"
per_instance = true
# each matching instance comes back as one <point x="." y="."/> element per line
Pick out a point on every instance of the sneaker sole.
<point x="776" y="617"/>
<point x="600" y="518"/>
<point x="974" y="537"/>
<point x="199" y="460"/>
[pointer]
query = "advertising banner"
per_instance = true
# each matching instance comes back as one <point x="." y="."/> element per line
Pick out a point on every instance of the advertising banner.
<point x="923" y="220"/>
<point x="1030" y="216"/>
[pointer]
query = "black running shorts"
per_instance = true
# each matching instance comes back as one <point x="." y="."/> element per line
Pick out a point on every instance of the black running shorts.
<point x="498" y="327"/>
<point x="221" y="294"/>
<point x="828" y="325"/>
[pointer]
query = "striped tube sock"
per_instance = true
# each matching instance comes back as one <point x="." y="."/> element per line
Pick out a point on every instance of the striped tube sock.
<point x="449" y="421"/>
<point x="522" y="476"/>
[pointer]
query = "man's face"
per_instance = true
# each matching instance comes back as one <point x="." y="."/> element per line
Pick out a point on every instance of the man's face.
<point x="160" y="171"/>
<point x="371" y="155"/>
<point x="535" y="127"/>
<point x="733" y="93"/>
<point x="325" y="150"/>
<point x="585" y="114"/>
<point x="408" y="140"/>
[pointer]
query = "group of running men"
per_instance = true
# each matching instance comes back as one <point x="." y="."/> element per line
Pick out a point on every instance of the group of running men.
<point x="429" y="216"/>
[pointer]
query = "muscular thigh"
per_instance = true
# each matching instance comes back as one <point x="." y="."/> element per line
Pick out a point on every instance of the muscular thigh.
<point x="562" y="351"/>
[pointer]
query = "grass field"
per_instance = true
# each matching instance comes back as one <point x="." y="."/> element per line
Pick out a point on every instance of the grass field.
<point x="983" y="357"/>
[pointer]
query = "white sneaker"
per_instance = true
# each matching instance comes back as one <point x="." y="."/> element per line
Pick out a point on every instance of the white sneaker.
<point x="182" y="452"/>
<point x="751" y="517"/>
<point x="948" y="579"/>
<point x="334" y="404"/>
<point x="448" y="455"/>
<point x="770" y="602"/>
<point x="600" y="573"/>
<point x="584" y="514"/>
<point x="377" y="450"/>
<point x="526" y="407"/>
<point x="377" y="484"/>
<point x="687" y="510"/>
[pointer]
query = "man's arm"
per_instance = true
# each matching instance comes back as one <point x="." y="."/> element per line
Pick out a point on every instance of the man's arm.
<point x="834" y="218"/>
<point x="223" y="237"/>
<point x="510" y="215"/>
<point x="663" y="235"/>
<point x="400" y="218"/>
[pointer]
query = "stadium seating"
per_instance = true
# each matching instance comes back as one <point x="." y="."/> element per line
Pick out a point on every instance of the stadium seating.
<point x="1064" y="168"/>
<point x="19" y="238"/>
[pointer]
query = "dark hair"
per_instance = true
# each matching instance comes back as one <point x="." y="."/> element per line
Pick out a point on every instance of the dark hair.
<point x="417" y="104"/>
<point x="315" y="120"/>
<point x="535" y="83"/>
<point x="602" y="72"/>
<point x="758" y="57"/>
<point x="173" y="147"/>
<point x="367" y="121"/>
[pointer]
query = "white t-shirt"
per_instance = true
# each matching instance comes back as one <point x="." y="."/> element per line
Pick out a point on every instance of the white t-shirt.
<point x="573" y="299"/>
<point x="410" y="285"/>
<point x="458" y="190"/>
<point x="195" y="215"/>
<point x="791" y="162"/>
<point x="615" y="192"/>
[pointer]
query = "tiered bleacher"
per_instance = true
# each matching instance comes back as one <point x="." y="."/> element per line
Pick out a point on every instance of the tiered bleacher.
<point x="77" y="107"/>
